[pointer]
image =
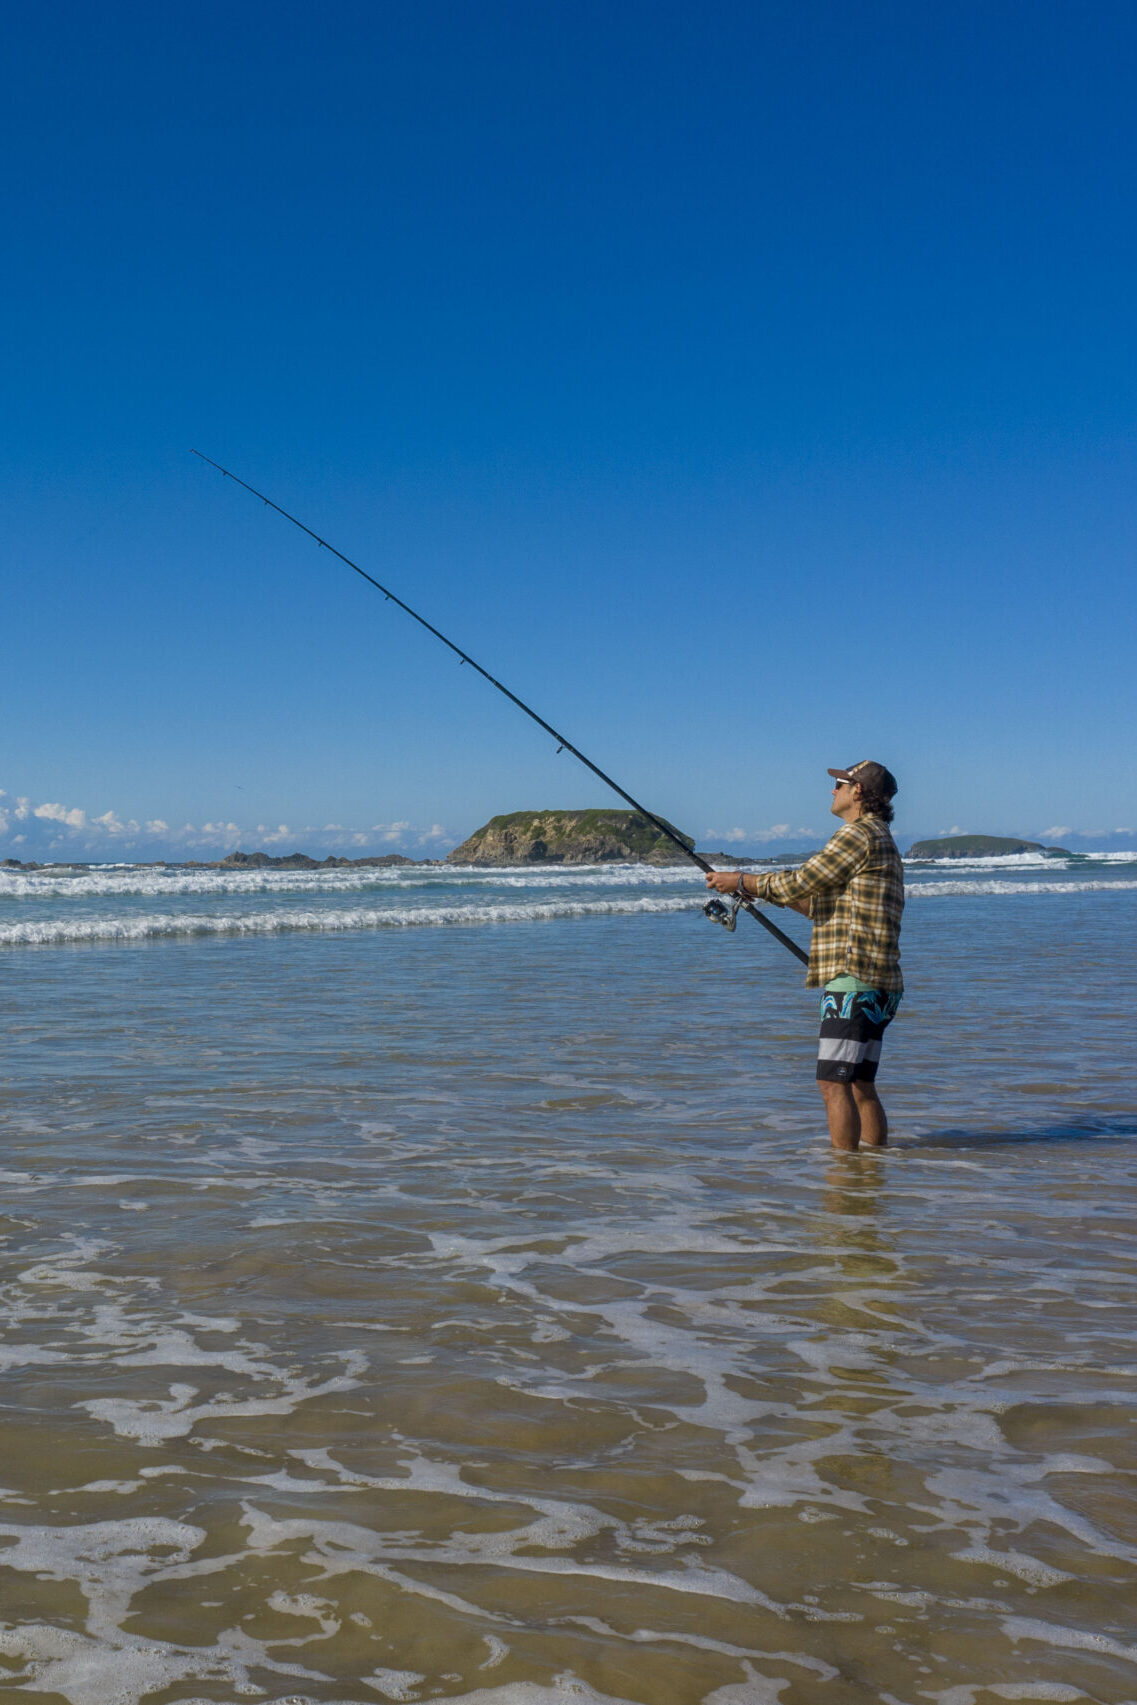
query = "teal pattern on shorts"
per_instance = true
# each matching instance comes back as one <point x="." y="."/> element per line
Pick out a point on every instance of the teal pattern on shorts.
<point x="878" y="1006"/>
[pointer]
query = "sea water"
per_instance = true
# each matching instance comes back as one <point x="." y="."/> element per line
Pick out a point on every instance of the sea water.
<point x="436" y="1284"/>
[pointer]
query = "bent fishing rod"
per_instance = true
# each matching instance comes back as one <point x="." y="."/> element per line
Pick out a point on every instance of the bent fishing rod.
<point x="714" y="908"/>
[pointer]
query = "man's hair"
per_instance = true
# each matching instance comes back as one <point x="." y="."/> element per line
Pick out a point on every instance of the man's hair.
<point x="876" y="804"/>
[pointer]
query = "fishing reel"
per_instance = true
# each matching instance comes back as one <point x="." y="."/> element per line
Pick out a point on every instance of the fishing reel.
<point x="720" y="913"/>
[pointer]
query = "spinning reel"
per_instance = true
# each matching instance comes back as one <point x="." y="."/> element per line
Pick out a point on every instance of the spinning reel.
<point x="720" y="913"/>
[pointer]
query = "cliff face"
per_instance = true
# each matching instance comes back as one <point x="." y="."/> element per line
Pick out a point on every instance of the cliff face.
<point x="568" y="837"/>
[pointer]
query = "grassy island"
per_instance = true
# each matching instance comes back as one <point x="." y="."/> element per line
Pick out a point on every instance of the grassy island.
<point x="569" y="837"/>
<point x="979" y="846"/>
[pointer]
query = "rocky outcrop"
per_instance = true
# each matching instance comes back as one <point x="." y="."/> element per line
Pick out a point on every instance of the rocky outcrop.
<point x="301" y="861"/>
<point x="979" y="846"/>
<point x="569" y="837"/>
<point x="236" y="861"/>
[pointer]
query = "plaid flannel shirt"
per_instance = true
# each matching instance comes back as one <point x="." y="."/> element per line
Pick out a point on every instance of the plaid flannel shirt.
<point x="855" y="890"/>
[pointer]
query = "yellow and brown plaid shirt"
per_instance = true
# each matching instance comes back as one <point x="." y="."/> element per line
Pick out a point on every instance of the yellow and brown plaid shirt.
<point x="855" y="890"/>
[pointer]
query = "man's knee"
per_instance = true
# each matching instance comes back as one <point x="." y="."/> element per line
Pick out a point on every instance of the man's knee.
<point x="864" y="1091"/>
<point x="832" y="1090"/>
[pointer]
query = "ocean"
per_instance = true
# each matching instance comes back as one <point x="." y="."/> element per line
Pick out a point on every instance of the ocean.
<point x="435" y="1283"/>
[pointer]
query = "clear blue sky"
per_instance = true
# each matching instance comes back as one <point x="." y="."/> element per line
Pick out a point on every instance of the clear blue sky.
<point x="751" y="386"/>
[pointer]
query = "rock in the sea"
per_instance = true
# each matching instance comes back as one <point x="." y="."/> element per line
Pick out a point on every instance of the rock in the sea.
<point x="979" y="846"/>
<point x="303" y="861"/>
<point x="569" y="837"/>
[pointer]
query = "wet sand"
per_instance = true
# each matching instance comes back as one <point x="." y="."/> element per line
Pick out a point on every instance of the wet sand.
<point x="479" y="1315"/>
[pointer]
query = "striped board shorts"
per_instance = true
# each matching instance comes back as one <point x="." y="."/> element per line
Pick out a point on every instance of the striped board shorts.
<point x="852" y="1025"/>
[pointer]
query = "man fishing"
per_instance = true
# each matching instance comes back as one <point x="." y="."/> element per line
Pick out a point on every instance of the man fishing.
<point x="853" y="892"/>
<point x="850" y="941"/>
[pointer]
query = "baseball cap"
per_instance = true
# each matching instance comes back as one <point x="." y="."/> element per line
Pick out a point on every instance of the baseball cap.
<point x="874" y="778"/>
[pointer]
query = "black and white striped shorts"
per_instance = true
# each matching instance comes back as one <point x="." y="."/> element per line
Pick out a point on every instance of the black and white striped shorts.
<point x="852" y="1025"/>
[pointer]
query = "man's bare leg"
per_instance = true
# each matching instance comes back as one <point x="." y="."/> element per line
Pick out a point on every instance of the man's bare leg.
<point x="842" y="1114"/>
<point x="855" y="1114"/>
<point x="870" y="1110"/>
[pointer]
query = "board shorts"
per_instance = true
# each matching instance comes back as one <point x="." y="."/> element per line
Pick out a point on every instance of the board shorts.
<point x="852" y="1025"/>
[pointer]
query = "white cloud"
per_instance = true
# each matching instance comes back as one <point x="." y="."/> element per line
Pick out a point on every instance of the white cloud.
<point x="74" y="817"/>
<point x="63" y="831"/>
<point x="113" y="824"/>
<point x="1056" y="833"/>
<point x="776" y="832"/>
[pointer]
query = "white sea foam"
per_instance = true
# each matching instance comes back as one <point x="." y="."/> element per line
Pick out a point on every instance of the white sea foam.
<point x="948" y="889"/>
<point x="668" y="1336"/>
<point x="1055" y="1692"/>
<point x="151" y="926"/>
<point x="126" y="880"/>
<point x="1026" y="861"/>
<point x="157" y="925"/>
<point x="147" y="882"/>
<point x="567" y="1689"/>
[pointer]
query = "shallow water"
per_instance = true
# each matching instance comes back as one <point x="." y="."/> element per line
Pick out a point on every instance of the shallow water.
<point x="477" y="1312"/>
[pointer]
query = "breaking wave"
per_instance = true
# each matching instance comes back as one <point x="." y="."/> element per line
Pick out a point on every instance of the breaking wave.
<point x="922" y="890"/>
<point x="163" y="925"/>
<point x="135" y="883"/>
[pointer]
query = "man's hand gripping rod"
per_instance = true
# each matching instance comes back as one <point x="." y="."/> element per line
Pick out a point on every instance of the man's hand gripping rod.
<point x="563" y="745"/>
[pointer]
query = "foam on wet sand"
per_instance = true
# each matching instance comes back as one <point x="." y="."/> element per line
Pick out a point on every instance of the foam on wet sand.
<point x="477" y="1315"/>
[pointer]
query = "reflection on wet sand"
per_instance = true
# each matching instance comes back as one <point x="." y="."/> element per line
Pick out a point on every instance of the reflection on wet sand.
<point x="543" y="1368"/>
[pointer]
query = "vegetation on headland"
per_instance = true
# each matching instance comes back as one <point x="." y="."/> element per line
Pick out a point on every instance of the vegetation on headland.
<point x="980" y="846"/>
<point x="570" y="837"/>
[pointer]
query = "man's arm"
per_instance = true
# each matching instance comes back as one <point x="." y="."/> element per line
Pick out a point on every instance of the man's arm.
<point x="827" y="871"/>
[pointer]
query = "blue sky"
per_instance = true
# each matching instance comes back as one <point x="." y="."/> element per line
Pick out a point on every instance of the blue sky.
<point x="751" y="387"/>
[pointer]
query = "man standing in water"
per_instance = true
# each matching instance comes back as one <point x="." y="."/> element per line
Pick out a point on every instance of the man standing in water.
<point x="853" y="891"/>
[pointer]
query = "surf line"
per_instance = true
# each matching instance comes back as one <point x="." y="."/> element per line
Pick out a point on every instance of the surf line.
<point x="563" y="744"/>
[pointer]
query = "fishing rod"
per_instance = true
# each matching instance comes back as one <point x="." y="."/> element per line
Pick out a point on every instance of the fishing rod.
<point x="714" y="908"/>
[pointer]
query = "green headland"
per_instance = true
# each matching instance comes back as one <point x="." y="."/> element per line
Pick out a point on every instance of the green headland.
<point x="980" y="846"/>
<point x="569" y="837"/>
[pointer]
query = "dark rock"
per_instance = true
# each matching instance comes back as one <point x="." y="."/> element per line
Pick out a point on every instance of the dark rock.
<point x="300" y="861"/>
<point x="976" y="846"/>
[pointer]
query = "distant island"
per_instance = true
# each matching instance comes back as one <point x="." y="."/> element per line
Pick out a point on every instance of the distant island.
<point x="301" y="861"/>
<point x="980" y="846"/>
<point x="569" y="837"/>
<point x="565" y="837"/>
<point x="234" y="861"/>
